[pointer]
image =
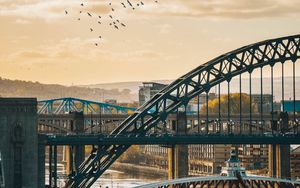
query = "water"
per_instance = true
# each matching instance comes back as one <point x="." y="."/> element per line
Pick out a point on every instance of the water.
<point x="117" y="179"/>
<point x="114" y="179"/>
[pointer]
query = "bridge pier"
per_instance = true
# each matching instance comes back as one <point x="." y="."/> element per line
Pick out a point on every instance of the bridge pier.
<point x="279" y="155"/>
<point x="279" y="161"/>
<point x="75" y="154"/>
<point x="19" y="142"/>
<point x="53" y="166"/>
<point x="178" y="154"/>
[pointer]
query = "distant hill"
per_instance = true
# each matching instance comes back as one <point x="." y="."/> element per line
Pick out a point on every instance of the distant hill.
<point x="234" y="86"/>
<point x="128" y="91"/>
<point x="132" y="86"/>
<point x="17" y="88"/>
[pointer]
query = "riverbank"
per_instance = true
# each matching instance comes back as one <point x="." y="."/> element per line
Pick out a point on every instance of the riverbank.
<point x="140" y="170"/>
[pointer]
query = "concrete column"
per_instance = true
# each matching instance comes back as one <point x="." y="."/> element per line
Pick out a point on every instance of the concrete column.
<point x="171" y="162"/>
<point x="78" y="149"/>
<point x="272" y="160"/>
<point x="284" y="170"/>
<point x="178" y="154"/>
<point x="284" y="162"/>
<point x="279" y="161"/>
<point x="75" y="155"/>
<point x="279" y="155"/>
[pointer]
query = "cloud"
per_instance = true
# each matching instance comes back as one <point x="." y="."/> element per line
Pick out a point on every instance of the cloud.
<point x="41" y="9"/>
<point x="233" y="9"/>
<point x="63" y="50"/>
<point x="22" y="21"/>
<point x="30" y="54"/>
<point x="79" y="50"/>
<point x="164" y="28"/>
<point x="50" y="10"/>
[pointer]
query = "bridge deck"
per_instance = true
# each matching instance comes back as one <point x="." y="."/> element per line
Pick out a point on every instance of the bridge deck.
<point x="165" y="139"/>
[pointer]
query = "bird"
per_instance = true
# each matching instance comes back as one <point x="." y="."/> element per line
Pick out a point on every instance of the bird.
<point x="123" y="25"/>
<point x="78" y="19"/>
<point x="137" y="4"/>
<point x="110" y="16"/>
<point x="110" y="23"/>
<point x="114" y="23"/>
<point x="116" y="27"/>
<point x="156" y="1"/>
<point x="91" y="29"/>
<point x="99" y="16"/>
<point x="80" y="12"/>
<point x="81" y="4"/>
<point x="118" y="21"/>
<point x="99" y="22"/>
<point x="112" y="9"/>
<point x="109" y="4"/>
<point x="100" y="37"/>
<point x="89" y="14"/>
<point x="66" y="12"/>
<point x="96" y="44"/>
<point x="142" y="3"/>
<point x="123" y="5"/>
<point x="129" y="3"/>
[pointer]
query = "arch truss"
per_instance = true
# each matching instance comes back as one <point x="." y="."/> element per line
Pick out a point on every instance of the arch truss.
<point x="67" y="105"/>
<point x="178" y="94"/>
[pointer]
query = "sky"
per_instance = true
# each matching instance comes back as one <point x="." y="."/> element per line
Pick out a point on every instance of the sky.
<point x="163" y="40"/>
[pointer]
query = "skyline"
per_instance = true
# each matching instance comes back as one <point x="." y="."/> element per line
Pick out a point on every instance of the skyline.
<point x="41" y="43"/>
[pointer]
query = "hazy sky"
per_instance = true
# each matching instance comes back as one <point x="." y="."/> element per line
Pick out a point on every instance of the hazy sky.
<point x="164" y="40"/>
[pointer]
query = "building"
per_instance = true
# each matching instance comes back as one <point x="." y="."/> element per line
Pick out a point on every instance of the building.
<point x="295" y="163"/>
<point x="203" y="159"/>
<point x="288" y="106"/>
<point x="207" y="158"/>
<point x="148" y="90"/>
<point x="266" y="101"/>
<point x="253" y="157"/>
<point x="111" y="101"/>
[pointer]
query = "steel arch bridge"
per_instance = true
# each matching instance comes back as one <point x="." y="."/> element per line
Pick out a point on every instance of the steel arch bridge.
<point x="177" y="95"/>
<point x="67" y="105"/>
<point x="222" y="181"/>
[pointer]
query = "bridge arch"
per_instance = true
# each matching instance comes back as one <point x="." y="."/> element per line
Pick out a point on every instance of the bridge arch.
<point x="182" y="90"/>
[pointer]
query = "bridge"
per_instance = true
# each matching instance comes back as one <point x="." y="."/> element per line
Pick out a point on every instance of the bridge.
<point x="220" y="181"/>
<point x="165" y="118"/>
<point x="66" y="105"/>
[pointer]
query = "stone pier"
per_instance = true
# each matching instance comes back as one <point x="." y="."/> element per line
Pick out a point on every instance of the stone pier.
<point x="19" y="142"/>
<point x="178" y="154"/>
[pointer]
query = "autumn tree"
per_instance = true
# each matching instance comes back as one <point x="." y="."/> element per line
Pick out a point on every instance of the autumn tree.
<point x="234" y="98"/>
<point x="132" y="155"/>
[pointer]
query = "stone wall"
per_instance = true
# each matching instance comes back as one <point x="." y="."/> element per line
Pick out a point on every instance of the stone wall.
<point x="19" y="141"/>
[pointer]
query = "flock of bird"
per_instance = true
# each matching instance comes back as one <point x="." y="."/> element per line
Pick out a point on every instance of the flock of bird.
<point x="113" y="21"/>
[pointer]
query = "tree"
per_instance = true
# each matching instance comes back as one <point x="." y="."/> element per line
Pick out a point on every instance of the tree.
<point x="234" y="98"/>
<point x="132" y="155"/>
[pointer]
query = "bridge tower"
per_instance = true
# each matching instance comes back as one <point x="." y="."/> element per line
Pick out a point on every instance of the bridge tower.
<point x="178" y="154"/>
<point x="19" y="142"/>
